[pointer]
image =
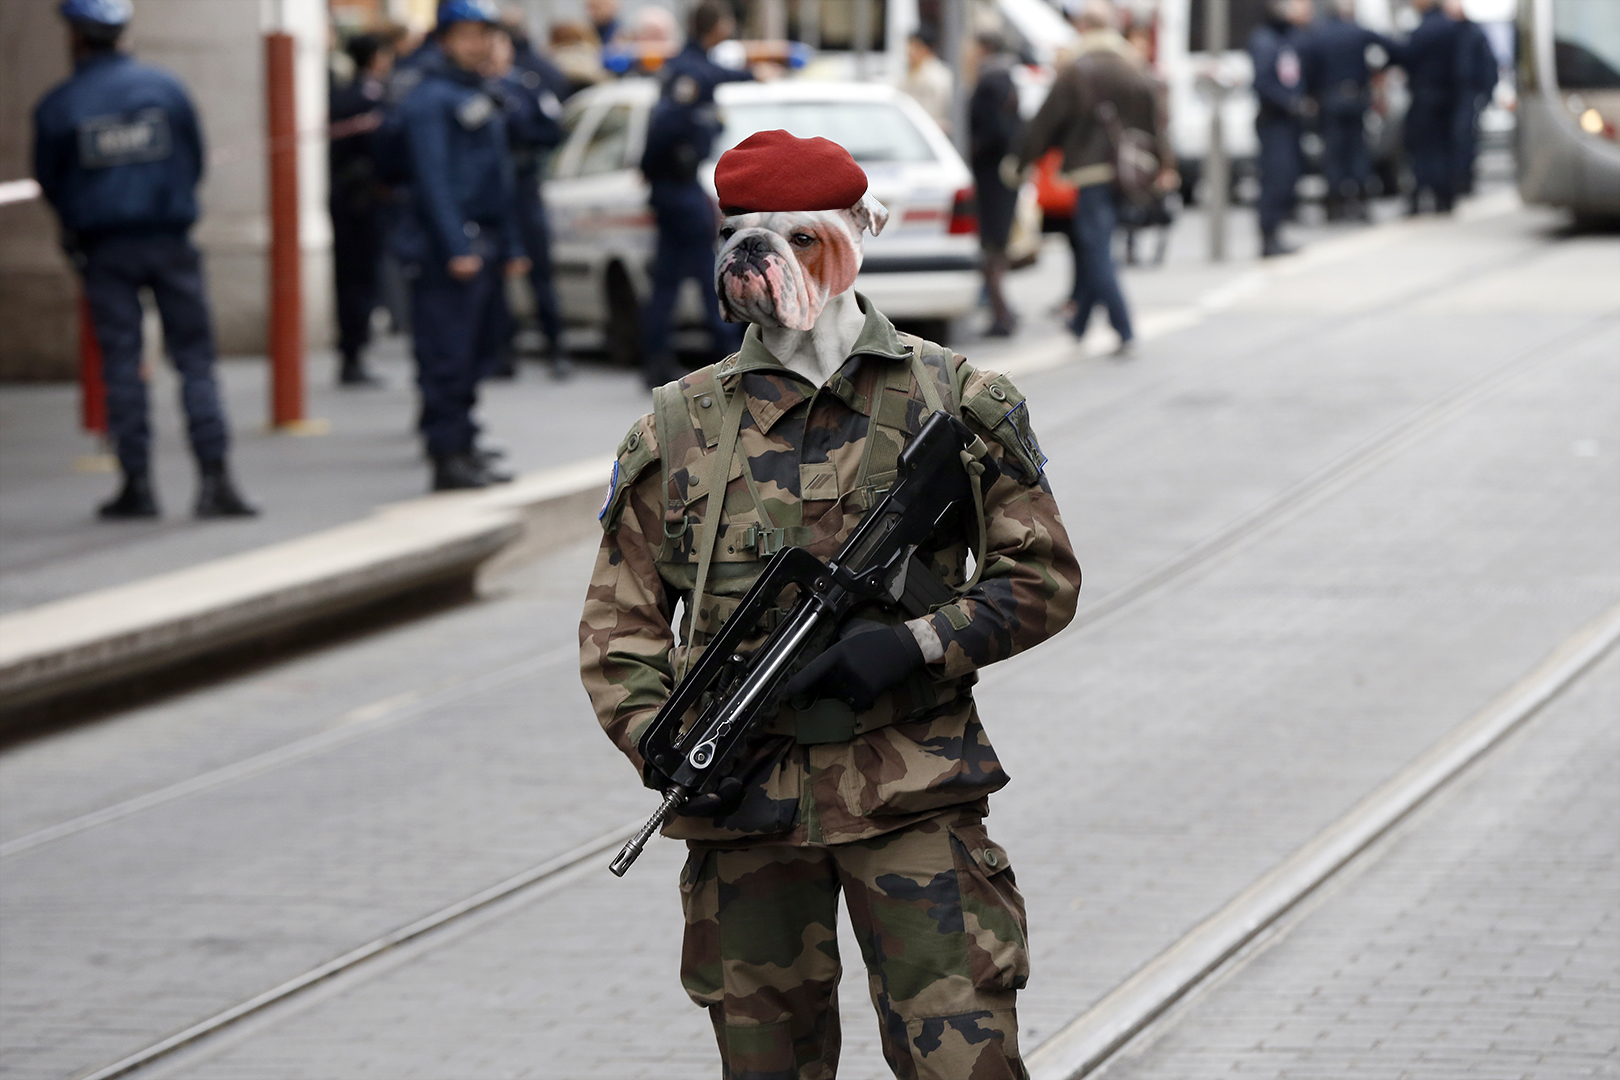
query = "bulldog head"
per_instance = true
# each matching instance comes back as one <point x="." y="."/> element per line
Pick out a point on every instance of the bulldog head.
<point x="794" y="213"/>
<point x="780" y="267"/>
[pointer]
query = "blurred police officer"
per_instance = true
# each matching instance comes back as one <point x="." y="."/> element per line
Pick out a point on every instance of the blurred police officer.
<point x="1477" y="73"/>
<point x="461" y="230"/>
<point x="1337" y="75"/>
<point x="680" y="136"/>
<point x="118" y="153"/>
<point x="533" y="90"/>
<point x="355" y="200"/>
<point x="1279" y="82"/>
<point x="1430" y="59"/>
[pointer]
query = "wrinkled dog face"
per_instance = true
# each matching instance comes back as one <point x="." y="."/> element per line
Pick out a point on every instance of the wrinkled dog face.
<point x="780" y="268"/>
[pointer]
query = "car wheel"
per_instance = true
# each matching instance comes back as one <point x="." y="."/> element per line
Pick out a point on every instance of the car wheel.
<point x="622" y="335"/>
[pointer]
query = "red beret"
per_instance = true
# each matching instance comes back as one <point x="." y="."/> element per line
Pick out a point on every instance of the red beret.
<point x="772" y="170"/>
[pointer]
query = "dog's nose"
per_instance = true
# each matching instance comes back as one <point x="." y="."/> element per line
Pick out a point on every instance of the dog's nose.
<point x="754" y="244"/>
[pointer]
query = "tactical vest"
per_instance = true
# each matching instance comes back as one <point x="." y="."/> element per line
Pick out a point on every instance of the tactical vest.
<point x="695" y="413"/>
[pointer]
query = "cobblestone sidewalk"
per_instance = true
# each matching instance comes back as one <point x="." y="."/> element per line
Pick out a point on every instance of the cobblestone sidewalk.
<point x="1482" y="942"/>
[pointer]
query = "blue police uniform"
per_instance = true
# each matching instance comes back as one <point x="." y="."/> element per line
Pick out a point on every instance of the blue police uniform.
<point x="1279" y="83"/>
<point x="680" y="137"/>
<point x="355" y="204"/>
<point x="533" y="92"/>
<point x="462" y="202"/>
<point x="1334" y="52"/>
<point x="1430" y="59"/>
<point x="1477" y="72"/>
<point x="118" y="154"/>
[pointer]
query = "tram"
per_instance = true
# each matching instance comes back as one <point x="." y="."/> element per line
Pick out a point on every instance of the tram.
<point x="1567" y="145"/>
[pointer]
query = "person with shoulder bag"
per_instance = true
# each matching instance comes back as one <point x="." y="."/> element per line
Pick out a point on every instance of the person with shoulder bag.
<point x="1102" y="113"/>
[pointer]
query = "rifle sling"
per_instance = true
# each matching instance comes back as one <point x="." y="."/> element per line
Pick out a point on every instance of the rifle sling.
<point x="716" y="498"/>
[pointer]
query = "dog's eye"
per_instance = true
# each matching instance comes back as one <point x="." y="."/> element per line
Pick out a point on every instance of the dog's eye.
<point x="803" y="239"/>
<point x="727" y="233"/>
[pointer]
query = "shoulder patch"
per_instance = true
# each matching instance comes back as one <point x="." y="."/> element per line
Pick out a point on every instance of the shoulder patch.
<point x="995" y="404"/>
<point x="635" y="453"/>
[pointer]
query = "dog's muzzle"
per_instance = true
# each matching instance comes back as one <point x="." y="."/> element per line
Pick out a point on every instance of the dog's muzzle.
<point x="758" y="281"/>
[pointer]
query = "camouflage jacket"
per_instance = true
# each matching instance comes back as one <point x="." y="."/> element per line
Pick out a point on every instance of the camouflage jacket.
<point x="816" y="459"/>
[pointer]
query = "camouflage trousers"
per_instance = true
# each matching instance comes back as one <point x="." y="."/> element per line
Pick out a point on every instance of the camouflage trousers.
<point x="941" y="926"/>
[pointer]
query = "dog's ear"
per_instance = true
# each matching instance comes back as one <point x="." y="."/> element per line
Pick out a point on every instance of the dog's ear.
<point x="869" y="214"/>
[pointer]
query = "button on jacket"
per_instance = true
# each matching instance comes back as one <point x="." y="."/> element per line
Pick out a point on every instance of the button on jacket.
<point x="462" y="188"/>
<point x="117" y="149"/>
<point x="920" y="747"/>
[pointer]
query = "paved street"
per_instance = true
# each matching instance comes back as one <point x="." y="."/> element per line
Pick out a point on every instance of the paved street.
<point x="1406" y="442"/>
<point x="1481" y="943"/>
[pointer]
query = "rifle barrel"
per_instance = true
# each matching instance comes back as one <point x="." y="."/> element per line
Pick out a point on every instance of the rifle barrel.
<point x="632" y="848"/>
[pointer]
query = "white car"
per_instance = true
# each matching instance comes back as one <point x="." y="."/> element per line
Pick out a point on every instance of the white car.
<point x="923" y="269"/>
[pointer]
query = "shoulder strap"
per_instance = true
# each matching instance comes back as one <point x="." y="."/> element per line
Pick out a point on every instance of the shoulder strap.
<point x="711" y="519"/>
<point x="669" y="416"/>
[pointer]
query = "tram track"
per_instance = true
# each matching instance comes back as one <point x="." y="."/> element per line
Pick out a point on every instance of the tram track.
<point x="574" y="866"/>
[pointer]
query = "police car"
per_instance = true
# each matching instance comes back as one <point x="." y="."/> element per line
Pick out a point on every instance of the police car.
<point x="923" y="269"/>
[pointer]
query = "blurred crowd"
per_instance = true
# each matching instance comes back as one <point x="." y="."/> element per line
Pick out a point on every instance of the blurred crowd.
<point x="1101" y="161"/>
<point x="438" y="145"/>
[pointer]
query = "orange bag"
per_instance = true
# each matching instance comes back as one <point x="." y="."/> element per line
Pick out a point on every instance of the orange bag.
<point x="1057" y="199"/>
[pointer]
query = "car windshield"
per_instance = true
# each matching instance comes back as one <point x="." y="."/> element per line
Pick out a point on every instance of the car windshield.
<point x="872" y="131"/>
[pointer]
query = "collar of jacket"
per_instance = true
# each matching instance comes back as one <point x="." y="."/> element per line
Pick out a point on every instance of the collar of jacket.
<point x="773" y="390"/>
<point x="449" y="69"/>
<point x="110" y="56"/>
<point x="1096" y="41"/>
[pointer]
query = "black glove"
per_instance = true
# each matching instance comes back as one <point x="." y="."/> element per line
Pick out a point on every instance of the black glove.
<point x="726" y="797"/>
<point x="870" y="659"/>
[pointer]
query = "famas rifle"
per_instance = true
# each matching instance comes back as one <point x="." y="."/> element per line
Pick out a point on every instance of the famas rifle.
<point x="942" y="474"/>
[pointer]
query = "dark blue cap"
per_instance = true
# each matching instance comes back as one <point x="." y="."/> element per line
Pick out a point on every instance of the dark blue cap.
<point x="107" y="13"/>
<point x="454" y="11"/>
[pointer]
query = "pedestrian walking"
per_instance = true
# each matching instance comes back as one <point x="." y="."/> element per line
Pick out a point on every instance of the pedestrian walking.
<point x="355" y="201"/>
<point x="1094" y="102"/>
<point x="928" y="81"/>
<point x="533" y="90"/>
<point x="1430" y="58"/>
<point x="1279" y="83"/>
<point x="461" y="232"/>
<point x="874" y="777"/>
<point x="118" y="153"/>
<point x="680" y="137"/>
<point x="1477" y="74"/>
<point x="994" y="127"/>
<point x="1334" y="52"/>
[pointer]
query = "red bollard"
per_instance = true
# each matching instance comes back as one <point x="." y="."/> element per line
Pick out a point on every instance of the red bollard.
<point x="286" y="337"/>
<point x="92" y="390"/>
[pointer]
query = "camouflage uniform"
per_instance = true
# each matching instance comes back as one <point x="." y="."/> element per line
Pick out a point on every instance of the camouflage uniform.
<point x="885" y="805"/>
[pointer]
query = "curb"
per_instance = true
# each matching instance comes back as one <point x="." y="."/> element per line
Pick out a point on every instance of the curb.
<point x="89" y="641"/>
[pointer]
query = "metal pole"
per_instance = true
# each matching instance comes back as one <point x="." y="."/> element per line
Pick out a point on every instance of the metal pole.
<point x="773" y="19"/>
<point x="810" y="23"/>
<point x="953" y="45"/>
<point x="862" y="34"/>
<point x="1217" y="170"/>
<point x="286" y="336"/>
<point x="92" y="390"/>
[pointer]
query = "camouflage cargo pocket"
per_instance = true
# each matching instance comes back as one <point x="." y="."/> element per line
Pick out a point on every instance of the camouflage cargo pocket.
<point x="992" y="910"/>
<point x="700" y="947"/>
